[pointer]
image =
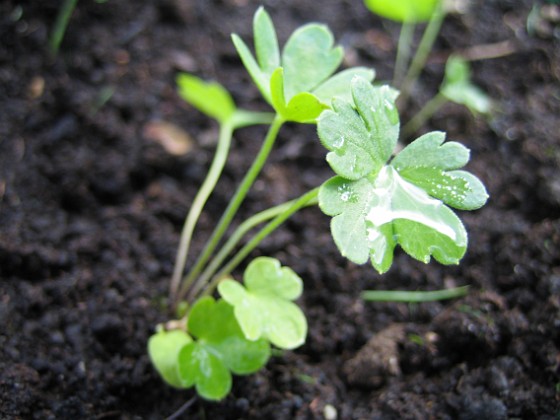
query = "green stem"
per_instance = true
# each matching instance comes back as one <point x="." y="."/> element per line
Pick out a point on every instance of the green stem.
<point x="240" y="118"/>
<point x="403" y="51"/>
<point x="305" y="200"/>
<point x="60" y="25"/>
<point x="237" y="235"/>
<point x="222" y="150"/>
<point x="429" y="109"/>
<point x="424" y="48"/>
<point x="413" y="297"/>
<point x="233" y="206"/>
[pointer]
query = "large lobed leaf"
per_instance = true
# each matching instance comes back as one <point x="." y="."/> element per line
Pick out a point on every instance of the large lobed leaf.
<point x="376" y="204"/>
<point x="264" y="307"/>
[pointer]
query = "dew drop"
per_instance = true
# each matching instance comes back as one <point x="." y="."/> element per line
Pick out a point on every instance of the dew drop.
<point x="346" y="193"/>
<point x="388" y="105"/>
<point x="339" y="143"/>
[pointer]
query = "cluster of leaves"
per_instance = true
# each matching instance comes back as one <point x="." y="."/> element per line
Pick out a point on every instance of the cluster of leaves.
<point x="297" y="82"/>
<point x="232" y="335"/>
<point x="377" y="201"/>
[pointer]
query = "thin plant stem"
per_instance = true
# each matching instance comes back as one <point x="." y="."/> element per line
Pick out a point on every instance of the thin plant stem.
<point x="60" y="25"/>
<point x="429" y="109"/>
<point x="403" y="51"/>
<point x="222" y="150"/>
<point x="233" y="206"/>
<point x="177" y="414"/>
<point x="239" y="119"/>
<point x="414" y="296"/>
<point x="421" y="56"/>
<point x="238" y="234"/>
<point x="298" y="204"/>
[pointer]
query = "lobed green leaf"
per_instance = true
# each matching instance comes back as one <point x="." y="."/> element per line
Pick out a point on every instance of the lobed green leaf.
<point x="210" y="98"/>
<point x="309" y="58"/>
<point x="457" y="87"/>
<point x="428" y="162"/>
<point x="220" y="349"/>
<point x="372" y="216"/>
<point x="361" y="140"/>
<point x="264" y="307"/>
<point x="376" y="205"/>
<point x="296" y="82"/>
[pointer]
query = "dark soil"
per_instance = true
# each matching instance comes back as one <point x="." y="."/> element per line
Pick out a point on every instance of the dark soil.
<point x="91" y="208"/>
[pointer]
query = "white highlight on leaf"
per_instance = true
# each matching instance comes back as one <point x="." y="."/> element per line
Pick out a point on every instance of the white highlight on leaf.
<point x="395" y="198"/>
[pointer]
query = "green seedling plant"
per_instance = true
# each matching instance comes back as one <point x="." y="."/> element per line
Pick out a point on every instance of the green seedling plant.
<point x="377" y="200"/>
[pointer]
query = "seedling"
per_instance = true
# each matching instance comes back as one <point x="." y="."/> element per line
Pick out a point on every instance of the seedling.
<point x="377" y="202"/>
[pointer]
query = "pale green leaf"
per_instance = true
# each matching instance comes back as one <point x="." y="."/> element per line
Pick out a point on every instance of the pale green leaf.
<point x="372" y="215"/>
<point x="309" y="58"/>
<point x="163" y="349"/>
<point x="403" y="10"/>
<point x="208" y="97"/>
<point x="264" y="307"/>
<point x="261" y="79"/>
<point x="458" y="88"/>
<point x="361" y="140"/>
<point x="339" y="85"/>
<point x="266" y="42"/>
<point x="429" y="150"/>
<point x="296" y="82"/>
<point x="469" y="95"/>
<point x="428" y="163"/>
<point x="377" y="206"/>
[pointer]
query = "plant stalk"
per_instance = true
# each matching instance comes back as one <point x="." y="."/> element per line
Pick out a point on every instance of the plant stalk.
<point x="429" y="109"/>
<point x="233" y="206"/>
<point x="421" y="56"/>
<point x="403" y="51"/>
<point x="60" y="25"/>
<point x="239" y="233"/>
<point x="305" y="200"/>
<point x="413" y="297"/>
<point x="218" y="163"/>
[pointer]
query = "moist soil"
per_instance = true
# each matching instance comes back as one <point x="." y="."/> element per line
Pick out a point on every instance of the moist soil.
<point x="92" y="200"/>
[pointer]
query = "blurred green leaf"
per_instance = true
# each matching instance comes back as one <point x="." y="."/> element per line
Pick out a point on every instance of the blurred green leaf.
<point x="209" y="98"/>
<point x="163" y="349"/>
<point x="457" y="87"/>
<point x="403" y="10"/>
